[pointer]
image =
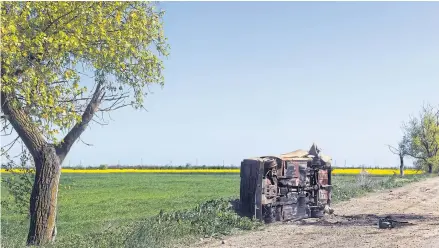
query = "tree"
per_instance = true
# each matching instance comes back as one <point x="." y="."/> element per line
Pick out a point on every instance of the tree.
<point x="48" y="48"/>
<point x="423" y="134"/>
<point x="402" y="150"/>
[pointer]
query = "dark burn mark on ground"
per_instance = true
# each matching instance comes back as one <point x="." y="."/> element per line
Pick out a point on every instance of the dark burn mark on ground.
<point x="399" y="220"/>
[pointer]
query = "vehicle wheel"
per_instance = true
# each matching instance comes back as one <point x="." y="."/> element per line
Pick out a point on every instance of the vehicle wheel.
<point x="270" y="214"/>
<point x="317" y="213"/>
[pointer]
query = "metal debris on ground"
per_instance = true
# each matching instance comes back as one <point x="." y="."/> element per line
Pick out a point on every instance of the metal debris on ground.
<point x="387" y="222"/>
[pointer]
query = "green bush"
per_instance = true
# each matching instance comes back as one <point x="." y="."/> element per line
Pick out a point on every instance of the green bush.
<point x="103" y="166"/>
<point x="209" y="219"/>
<point x="365" y="182"/>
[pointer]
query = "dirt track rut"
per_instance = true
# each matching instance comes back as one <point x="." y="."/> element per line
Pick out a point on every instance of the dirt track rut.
<point x="355" y="223"/>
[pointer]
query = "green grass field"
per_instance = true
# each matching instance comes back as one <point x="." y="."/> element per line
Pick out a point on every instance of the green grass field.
<point x="91" y="203"/>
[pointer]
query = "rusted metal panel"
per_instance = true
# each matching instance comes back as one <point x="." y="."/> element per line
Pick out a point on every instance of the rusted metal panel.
<point x="324" y="195"/>
<point x="323" y="177"/>
<point x="297" y="170"/>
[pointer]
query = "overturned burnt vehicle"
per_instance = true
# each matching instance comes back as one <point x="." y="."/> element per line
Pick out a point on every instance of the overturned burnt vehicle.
<point x="290" y="186"/>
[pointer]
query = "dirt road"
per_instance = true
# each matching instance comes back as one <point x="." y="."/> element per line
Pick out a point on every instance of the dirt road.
<point x="355" y="223"/>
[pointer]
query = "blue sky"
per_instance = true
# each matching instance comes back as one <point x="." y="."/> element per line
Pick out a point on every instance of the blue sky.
<point x="256" y="78"/>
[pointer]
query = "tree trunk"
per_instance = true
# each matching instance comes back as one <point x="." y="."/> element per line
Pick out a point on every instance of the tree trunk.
<point x="48" y="159"/>
<point x="401" y="166"/>
<point x="43" y="201"/>
<point x="430" y="168"/>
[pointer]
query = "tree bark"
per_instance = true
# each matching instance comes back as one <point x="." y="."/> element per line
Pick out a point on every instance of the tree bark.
<point x="43" y="202"/>
<point x="401" y="166"/>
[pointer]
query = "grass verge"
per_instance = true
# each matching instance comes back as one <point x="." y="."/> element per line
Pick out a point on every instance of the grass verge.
<point x="347" y="187"/>
<point x="209" y="219"/>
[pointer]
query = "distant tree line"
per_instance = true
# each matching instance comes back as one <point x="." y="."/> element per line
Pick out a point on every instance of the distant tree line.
<point x="164" y="167"/>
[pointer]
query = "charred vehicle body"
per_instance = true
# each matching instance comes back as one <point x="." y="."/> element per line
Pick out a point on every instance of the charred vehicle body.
<point x="291" y="186"/>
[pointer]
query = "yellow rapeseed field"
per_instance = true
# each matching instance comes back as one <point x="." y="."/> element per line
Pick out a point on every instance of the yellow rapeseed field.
<point x="338" y="171"/>
<point x="342" y="171"/>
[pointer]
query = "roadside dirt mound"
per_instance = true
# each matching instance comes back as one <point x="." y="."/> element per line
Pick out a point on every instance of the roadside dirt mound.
<point x="415" y="207"/>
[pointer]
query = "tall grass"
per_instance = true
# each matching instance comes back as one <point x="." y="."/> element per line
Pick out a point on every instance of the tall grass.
<point x="347" y="187"/>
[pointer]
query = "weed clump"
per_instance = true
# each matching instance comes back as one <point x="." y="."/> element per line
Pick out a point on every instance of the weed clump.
<point x="348" y="187"/>
<point x="209" y="219"/>
<point x="365" y="182"/>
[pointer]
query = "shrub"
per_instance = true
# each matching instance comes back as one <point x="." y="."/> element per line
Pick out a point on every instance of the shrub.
<point x="103" y="166"/>
<point x="365" y="182"/>
<point x="209" y="219"/>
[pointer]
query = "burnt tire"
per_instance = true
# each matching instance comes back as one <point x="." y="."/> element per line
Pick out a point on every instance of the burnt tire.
<point x="317" y="213"/>
<point x="269" y="214"/>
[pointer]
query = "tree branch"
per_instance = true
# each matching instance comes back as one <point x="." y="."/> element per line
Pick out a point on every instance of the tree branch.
<point x="417" y="157"/>
<point x="6" y="148"/>
<point x="64" y="147"/>
<point x="23" y="125"/>
<point x="5" y="128"/>
<point x="394" y="150"/>
<point x="87" y="144"/>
